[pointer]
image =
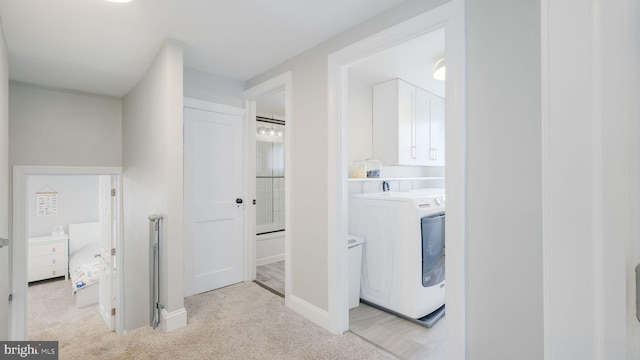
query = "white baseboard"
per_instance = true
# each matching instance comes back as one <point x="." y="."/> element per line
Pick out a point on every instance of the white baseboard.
<point x="174" y="320"/>
<point x="269" y="259"/>
<point x="309" y="311"/>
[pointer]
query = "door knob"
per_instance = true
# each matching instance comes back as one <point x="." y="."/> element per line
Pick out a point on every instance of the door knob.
<point x="238" y="201"/>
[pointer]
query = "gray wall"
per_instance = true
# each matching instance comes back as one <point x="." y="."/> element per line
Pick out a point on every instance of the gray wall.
<point x="213" y="88"/>
<point x="504" y="178"/>
<point x="152" y="183"/>
<point x="60" y="127"/>
<point x="77" y="202"/>
<point x="504" y="171"/>
<point x="309" y="150"/>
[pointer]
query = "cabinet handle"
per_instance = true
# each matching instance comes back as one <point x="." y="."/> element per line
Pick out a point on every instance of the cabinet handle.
<point x="53" y="249"/>
<point x="54" y="272"/>
<point x="53" y="261"/>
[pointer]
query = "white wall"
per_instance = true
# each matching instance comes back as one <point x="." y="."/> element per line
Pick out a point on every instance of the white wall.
<point x="4" y="182"/>
<point x="152" y="184"/>
<point x="360" y="119"/>
<point x="60" y="127"/>
<point x="504" y="190"/>
<point x="590" y="137"/>
<point x="213" y="88"/>
<point x="77" y="202"/>
<point x="310" y="153"/>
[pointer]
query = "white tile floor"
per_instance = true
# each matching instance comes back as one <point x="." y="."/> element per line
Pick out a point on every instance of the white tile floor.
<point x="398" y="336"/>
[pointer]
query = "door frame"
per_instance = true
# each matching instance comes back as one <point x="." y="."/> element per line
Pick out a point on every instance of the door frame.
<point x="19" y="245"/>
<point x="451" y="17"/>
<point x="271" y="86"/>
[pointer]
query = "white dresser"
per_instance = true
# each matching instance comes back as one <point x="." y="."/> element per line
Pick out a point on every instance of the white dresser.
<point x="48" y="257"/>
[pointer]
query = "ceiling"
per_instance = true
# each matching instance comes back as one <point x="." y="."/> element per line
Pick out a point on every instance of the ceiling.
<point x="412" y="61"/>
<point x="102" y="47"/>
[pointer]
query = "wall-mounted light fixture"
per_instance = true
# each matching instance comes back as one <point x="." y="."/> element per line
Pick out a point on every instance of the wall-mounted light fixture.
<point x="439" y="71"/>
<point x="269" y="131"/>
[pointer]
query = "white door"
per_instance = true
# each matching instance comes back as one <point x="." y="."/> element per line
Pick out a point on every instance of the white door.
<point x="106" y="256"/>
<point x="213" y="180"/>
<point x="4" y="288"/>
<point x="4" y="218"/>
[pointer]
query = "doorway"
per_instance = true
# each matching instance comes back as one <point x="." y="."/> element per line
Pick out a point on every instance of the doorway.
<point x="21" y="195"/>
<point x="450" y="18"/>
<point x="402" y="73"/>
<point x="270" y="195"/>
<point x="271" y="99"/>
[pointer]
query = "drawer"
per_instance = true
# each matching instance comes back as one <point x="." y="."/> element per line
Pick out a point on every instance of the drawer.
<point x="46" y="272"/>
<point x="49" y="260"/>
<point x="58" y="247"/>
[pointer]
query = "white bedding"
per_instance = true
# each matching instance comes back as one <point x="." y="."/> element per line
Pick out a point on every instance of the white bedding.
<point x="84" y="267"/>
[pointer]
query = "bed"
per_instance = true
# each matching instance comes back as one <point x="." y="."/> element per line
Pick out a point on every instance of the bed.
<point x="84" y="267"/>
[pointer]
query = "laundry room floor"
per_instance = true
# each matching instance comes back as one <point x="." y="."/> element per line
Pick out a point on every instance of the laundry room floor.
<point x="400" y="337"/>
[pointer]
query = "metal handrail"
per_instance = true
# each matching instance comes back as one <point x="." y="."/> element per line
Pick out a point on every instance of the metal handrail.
<point x="154" y="252"/>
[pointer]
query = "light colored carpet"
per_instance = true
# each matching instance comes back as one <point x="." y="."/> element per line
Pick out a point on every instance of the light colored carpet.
<point x="242" y="321"/>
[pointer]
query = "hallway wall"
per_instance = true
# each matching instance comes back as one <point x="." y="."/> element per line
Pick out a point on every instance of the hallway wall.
<point x="152" y="184"/>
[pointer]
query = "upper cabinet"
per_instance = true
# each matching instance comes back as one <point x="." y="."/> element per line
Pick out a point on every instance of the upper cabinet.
<point x="408" y="125"/>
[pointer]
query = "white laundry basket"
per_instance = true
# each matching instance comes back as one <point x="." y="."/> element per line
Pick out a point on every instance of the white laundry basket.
<point x="355" y="244"/>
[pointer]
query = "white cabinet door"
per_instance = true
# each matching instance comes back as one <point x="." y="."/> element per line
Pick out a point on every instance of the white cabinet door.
<point x="422" y="119"/>
<point x="213" y="222"/>
<point x="436" y="131"/>
<point x="429" y="119"/>
<point x="408" y="125"/>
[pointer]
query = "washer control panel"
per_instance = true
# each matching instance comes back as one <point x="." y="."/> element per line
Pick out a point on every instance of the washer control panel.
<point x="432" y="202"/>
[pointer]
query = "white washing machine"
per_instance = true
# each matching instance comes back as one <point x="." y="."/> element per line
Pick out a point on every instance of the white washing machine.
<point x="403" y="256"/>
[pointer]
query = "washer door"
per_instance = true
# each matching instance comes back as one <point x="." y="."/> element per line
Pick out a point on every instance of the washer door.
<point x="432" y="250"/>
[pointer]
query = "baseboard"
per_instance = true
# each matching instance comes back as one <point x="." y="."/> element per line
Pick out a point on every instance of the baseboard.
<point x="309" y="311"/>
<point x="269" y="259"/>
<point x="174" y="320"/>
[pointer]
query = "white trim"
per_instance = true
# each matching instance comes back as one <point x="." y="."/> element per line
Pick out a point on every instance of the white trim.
<point x="196" y="104"/>
<point x="173" y="320"/>
<point x="19" y="248"/>
<point x="271" y="86"/>
<point x="308" y="310"/>
<point x="597" y="211"/>
<point x="545" y="171"/>
<point x="269" y="259"/>
<point x="451" y="17"/>
<point x="250" y="189"/>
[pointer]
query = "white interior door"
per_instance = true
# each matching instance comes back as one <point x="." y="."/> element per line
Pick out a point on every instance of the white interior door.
<point x="213" y="221"/>
<point x="4" y="291"/>
<point x="4" y="220"/>
<point x="106" y="256"/>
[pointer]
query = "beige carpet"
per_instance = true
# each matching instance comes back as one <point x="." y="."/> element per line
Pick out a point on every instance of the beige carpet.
<point x="242" y="321"/>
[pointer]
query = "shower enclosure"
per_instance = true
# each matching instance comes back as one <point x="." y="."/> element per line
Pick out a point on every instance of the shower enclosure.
<point x="269" y="176"/>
